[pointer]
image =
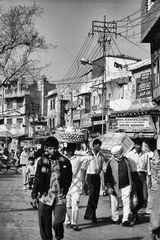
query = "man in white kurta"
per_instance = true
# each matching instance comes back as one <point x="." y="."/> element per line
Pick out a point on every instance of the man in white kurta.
<point x="75" y="190"/>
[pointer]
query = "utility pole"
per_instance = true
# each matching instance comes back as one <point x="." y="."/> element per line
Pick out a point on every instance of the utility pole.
<point x="32" y="110"/>
<point x="105" y="31"/>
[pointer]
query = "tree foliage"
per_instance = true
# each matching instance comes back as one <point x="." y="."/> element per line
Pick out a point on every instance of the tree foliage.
<point x="19" y="41"/>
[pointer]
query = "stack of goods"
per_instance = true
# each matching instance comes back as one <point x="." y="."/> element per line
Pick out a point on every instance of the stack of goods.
<point x="70" y="135"/>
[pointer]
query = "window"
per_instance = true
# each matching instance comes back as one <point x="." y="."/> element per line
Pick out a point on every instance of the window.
<point x="94" y="100"/>
<point x="9" y="104"/>
<point x="51" y="123"/>
<point x="19" y="103"/>
<point x="9" y="121"/>
<point x="19" y="120"/>
<point x="52" y="104"/>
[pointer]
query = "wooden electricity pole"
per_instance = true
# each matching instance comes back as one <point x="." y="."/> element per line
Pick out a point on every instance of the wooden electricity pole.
<point x="105" y="31"/>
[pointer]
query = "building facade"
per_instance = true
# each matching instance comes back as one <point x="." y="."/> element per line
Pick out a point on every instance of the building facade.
<point x="23" y="106"/>
<point x="107" y="89"/>
<point x="141" y="118"/>
<point x="150" y="33"/>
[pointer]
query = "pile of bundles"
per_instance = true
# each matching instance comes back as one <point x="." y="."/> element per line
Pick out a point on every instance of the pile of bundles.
<point x="70" y="135"/>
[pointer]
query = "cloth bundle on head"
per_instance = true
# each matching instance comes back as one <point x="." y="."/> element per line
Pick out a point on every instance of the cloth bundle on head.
<point x="117" y="149"/>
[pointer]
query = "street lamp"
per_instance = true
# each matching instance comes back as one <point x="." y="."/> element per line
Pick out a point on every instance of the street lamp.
<point x="87" y="62"/>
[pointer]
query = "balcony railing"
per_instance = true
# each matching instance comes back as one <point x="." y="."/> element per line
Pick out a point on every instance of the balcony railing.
<point x="17" y="93"/>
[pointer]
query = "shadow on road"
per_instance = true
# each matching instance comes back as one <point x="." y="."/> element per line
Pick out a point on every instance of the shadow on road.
<point x="4" y="177"/>
<point x="17" y="210"/>
<point x="132" y="238"/>
<point x="100" y="222"/>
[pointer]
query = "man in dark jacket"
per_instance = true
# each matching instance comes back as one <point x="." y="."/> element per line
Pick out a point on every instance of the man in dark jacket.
<point x="52" y="181"/>
<point x="118" y="180"/>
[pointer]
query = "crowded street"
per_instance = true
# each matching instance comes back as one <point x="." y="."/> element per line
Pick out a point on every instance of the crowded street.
<point x="18" y="220"/>
<point x="80" y="120"/>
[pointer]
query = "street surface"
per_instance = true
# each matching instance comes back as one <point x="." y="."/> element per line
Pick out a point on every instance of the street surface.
<point x="18" y="221"/>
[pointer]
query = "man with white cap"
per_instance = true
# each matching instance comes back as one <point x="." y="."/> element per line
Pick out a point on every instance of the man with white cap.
<point x="118" y="180"/>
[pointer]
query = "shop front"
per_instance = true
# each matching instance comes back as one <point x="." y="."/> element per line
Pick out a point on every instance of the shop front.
<point x="141" y="123"/>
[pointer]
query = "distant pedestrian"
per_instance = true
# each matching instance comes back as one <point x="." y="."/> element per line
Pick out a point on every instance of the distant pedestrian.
<point x="119" y="182"/>
<point x="23" y="163"/>
<point x="30" y="171"/>
<point x="3" y="162"/>
<point x="52" y="181"/>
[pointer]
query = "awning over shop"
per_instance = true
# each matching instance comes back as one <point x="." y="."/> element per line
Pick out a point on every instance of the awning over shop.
<point x="16" y="133"/>
<point x="138" y="108"/>
<point x="4" y="131"/>
<point x="142" y="135"/>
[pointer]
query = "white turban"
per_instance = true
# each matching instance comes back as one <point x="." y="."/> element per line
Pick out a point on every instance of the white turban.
<point x="117" y="149"/>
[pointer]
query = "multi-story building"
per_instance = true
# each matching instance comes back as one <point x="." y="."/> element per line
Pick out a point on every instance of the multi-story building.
<point x="55" y="110"/>
<point x="24" y="106"/>
<point x="150" y="33"/>
<point x="141" y="118"/>
<point x="106" y="89"/>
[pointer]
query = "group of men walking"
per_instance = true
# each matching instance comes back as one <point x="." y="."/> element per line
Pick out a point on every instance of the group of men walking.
<point x="60" y="180"/>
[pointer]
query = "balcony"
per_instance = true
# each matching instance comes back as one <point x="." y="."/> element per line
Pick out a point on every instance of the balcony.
<point x="16" y="94"/>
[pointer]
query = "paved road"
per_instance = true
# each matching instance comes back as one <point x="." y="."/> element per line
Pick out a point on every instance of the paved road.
<point x="18" y="221"/>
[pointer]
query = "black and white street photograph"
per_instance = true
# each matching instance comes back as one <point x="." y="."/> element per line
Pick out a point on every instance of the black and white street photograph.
<point x="79" y="119"/>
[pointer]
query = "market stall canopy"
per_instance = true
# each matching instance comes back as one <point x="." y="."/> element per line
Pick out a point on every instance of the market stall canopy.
<point x="111" y="139"/>
<point x="16" y="133"/>
<point x="4" y="132"/>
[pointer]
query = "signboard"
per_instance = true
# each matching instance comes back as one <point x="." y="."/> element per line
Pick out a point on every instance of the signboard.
<point x="143" y="88"/>
<point x="86" y="122"/>
<point x="141" y="123"/>
<point x="98" y="122"/>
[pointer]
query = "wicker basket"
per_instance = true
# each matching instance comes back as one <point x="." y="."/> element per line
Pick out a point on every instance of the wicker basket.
<point x="70" y="136"/>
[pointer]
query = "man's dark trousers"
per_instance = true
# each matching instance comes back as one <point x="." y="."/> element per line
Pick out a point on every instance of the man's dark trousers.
<point x="94" y="190"/>
<point x="45" y="220"/>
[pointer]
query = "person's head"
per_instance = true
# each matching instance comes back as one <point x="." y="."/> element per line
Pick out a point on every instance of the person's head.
<point x="39" y="153"/>
<point x="96" y="145"/>
<point x="138" y="144"/>
<point x="78" y="146"/>
<point x="71" y="148"/>
<point x="32" y="149"/>
<point x="25" y="148"/>
<point x="117" y="152"/>
<point x="51" y="145"/>
<point x="31" y="160"/>
<point x="156" y="156"/>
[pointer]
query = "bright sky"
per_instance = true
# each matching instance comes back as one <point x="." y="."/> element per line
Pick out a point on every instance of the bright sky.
<point x="66" y="23"/>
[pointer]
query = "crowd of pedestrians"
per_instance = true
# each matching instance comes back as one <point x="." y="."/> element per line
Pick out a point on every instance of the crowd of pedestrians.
<point x="58" y="177"/>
